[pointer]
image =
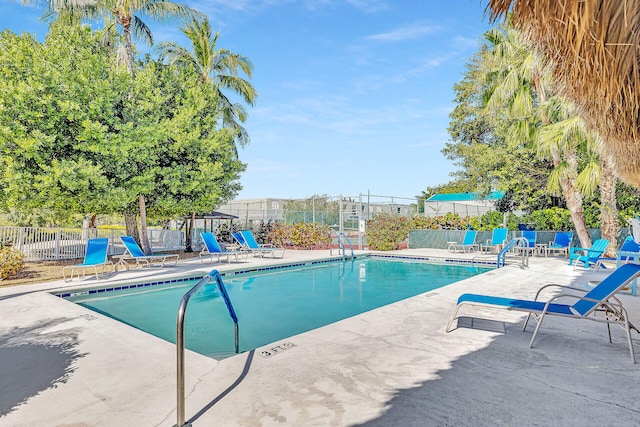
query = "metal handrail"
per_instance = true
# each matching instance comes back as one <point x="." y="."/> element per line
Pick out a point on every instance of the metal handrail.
<point x="214" y="274"/>
<point x="341" y="244"/>
<point x="510" y="245"/>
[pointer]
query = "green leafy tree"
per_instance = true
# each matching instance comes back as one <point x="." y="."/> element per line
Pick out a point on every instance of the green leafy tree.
<point x="218" y="67"/>
<point x="79" y="135"/>
<point x="54" y="95"/>
<point x="485" y="157"/>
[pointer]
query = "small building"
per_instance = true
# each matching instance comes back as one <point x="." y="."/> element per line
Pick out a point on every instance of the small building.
<point x="463" y="204"/>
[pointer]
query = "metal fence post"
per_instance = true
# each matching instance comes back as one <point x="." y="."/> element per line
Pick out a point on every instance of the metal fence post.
<point x="56" y="253"/>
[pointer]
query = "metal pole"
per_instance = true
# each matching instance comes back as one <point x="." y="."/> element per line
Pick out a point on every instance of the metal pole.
<point x="340" y="217"/>
<point x="180" y="404"/>
<point x="359" y="217"/>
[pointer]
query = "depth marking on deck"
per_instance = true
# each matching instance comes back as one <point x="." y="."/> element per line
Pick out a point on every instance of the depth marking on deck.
<point x="277" y="349"/>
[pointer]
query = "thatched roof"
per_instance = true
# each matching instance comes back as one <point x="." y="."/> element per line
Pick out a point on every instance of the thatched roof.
<point x="594" y="49"/>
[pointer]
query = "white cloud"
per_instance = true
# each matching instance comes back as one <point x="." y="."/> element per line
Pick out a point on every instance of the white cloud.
<point x="465" y="42"/>
<point x="409" y="32"/>
<point x="368" y="6"/>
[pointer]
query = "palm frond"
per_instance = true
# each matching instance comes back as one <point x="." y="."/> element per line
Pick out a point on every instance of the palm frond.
<point x="161" y="9"/>
<point x="589" y="177"/>
<point x="238" y="85"/>
<point x="591" y="46"/>
<point x="557" y="175"/>
<point x="141" y="31"/>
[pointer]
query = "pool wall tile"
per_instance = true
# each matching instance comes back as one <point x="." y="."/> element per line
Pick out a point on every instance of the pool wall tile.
<point x="276" y="267"/>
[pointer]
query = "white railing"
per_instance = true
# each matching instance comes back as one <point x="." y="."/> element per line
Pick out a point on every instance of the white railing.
<point x="56" y="243"/>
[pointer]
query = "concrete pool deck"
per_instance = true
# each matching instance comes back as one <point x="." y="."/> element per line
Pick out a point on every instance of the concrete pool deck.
<point x="62" y="365"/>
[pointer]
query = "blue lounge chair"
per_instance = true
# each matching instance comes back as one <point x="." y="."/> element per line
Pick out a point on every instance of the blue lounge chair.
<point x="212" y="248"/>
<point x="135" y="253"/>
<point x="262" y="250"/>
<point x="600" y="299"/>
<point x="561" y="243"/>
<point x="628" y="252"/>
<point x="588" y="256"/>
<point x="237" y="235"/>
<point x="95" y="257"/>
<point x="469" y="242"/>
<point x="498" y="238"/>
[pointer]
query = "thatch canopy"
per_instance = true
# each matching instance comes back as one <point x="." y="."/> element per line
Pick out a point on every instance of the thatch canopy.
<point x="594" y="49"/>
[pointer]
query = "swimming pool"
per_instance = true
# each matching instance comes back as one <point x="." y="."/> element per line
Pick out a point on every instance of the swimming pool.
<point x="274" y="304"/>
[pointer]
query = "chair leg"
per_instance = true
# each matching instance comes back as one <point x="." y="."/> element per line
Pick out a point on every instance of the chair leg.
<point x="453" y="318"/>
<point x="526" y="322"/>
<point x="633" y="355"/>
<point x="535" y="333"/>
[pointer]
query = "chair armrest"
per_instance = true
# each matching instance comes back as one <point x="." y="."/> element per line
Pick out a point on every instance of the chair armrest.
<point x="561" y="287"/>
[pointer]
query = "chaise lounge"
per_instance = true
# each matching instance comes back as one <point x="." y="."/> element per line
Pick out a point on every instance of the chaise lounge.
<point x="252" y="245"/>
<point x="469" y="242"/>
<point x="135" y="253"/>
<point x="598" y="304"/>
<point x="95" y="257"/>
<point x="212" y="248"/>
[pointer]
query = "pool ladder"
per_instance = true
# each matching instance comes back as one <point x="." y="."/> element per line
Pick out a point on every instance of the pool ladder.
<point x="182" y="309"/>
<point x="502" y="255"/>
<point x="341" y="245"/>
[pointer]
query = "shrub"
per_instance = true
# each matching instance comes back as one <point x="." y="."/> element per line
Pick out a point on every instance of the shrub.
<point x="551" y="219"/>
<point x="301" y="235"/>
<point x="11" y="261"/>
<point x="386" y="231"/>
<point x="448" y="221"/>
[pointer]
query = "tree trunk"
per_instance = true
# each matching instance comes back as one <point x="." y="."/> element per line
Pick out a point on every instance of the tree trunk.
<point x="125" y="21"/>
<point x="189" y="246"/>
<point x="144" y="236"/>
<point x="608" y="205"/>
<point x="92" y="221"/>
<point x="571" y="194"/>
<point x="132" y="226"/>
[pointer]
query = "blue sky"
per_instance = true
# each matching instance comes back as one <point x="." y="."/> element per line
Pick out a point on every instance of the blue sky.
<point x="353" y="95"/>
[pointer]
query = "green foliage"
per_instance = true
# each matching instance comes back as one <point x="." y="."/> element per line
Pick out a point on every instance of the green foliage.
<point x="484" y="149"/>
<point x="386" y="231"/>
<point x="301" y="235"/>
<point x="11" y="261"/>
<point x="628" y="201"/>
<point x="448" y="221"/>
<point x="490" y="220"/>
<point x="550" y="219"/>
<point x="78" y="135"/>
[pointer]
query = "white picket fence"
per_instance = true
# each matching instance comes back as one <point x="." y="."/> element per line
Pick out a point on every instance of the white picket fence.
<point x="55" y="243"/>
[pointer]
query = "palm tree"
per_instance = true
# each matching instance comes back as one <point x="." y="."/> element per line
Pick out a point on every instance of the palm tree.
<point x="592" y="50"/>
<point x="124" y="14"/>
<point x="596" y="171"/>
<point x="517" y="81"/>
<point x="218" y="67"/>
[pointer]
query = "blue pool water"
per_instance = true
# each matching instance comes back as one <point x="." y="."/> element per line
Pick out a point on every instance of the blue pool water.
<point x="273" y="305"/>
